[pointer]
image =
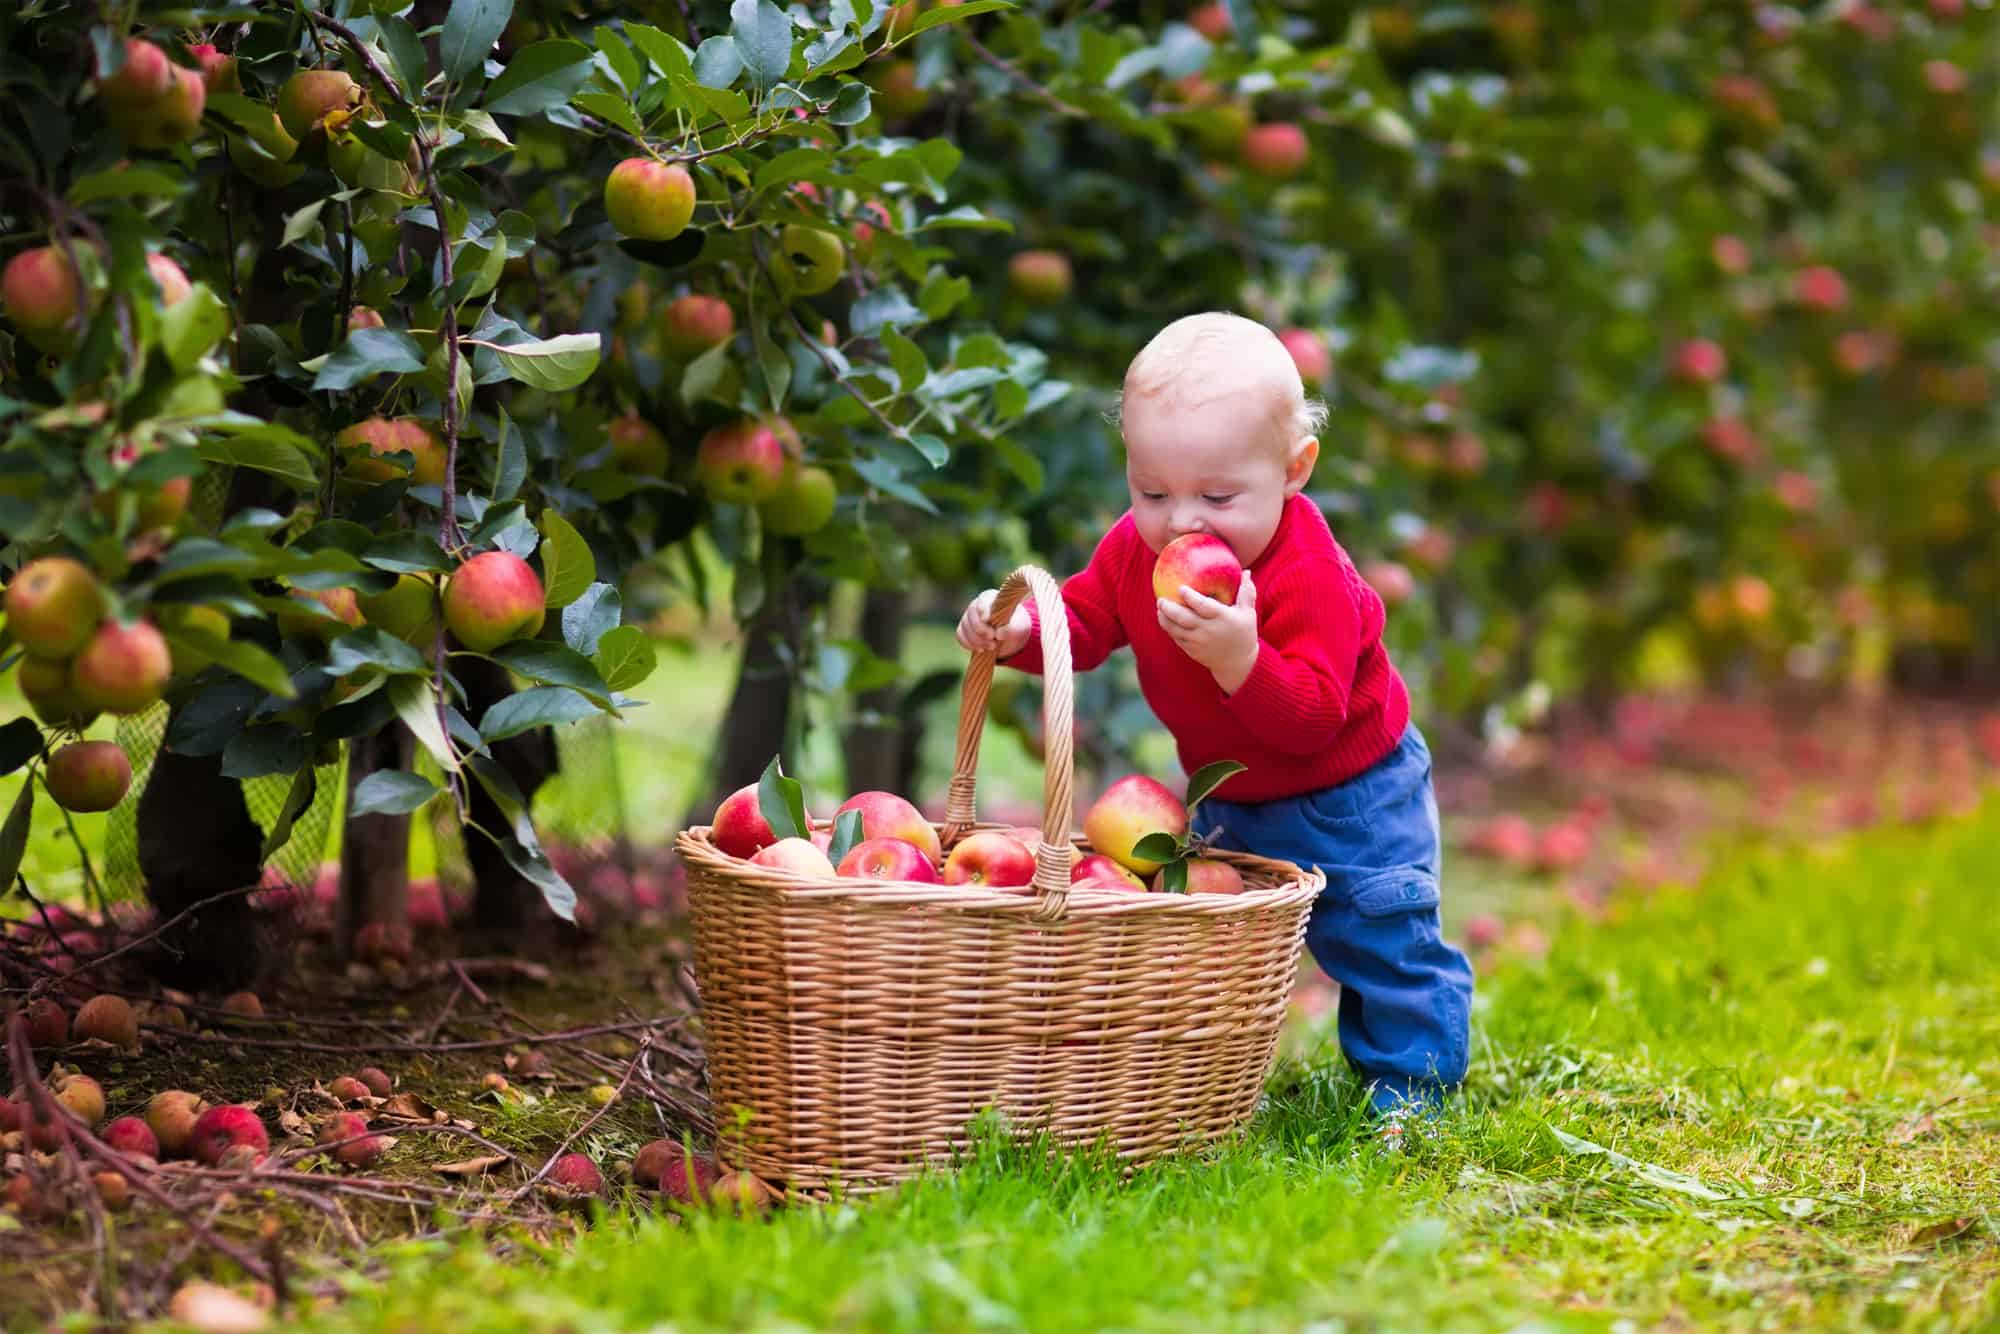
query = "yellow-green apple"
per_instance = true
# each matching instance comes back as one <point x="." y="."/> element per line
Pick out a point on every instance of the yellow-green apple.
<point x="307" y="97"/>
<point x="325" y="614"/>
<point x="1040" y="277"/>
<point x="264" y="153"/>
<point x="797" y="855"/>
<point x="42" y="295"/>
<point x="171" y="1115"/>
<point x="1700" y="361"/>
<point x="88" y="775"/>
<point x="1199" y="561"/>
<point x="649" y="200"/>
<point x="886" y="815"/>
<point x="888" y="859"/>
<point x="366" y="443"/>
<point x="218" y="69"/>
<point x="637" y="445"/>
<point x="1206" y="875"/>
<point x="1277" y="151"/>
<point x="407" y="609"/>
<point x="739" y="828"/>
<point x="1101" y="871"/>
<point x="1130" y="809"/>
<point x="692" y="324"/>
<point x="803" y="504"/>
<point x="741" y="463"/>
<point x="47" y="686"/>
<point x="897" y="95"/>
<point x="1211" y="21"/>
<point x="172" y="118"/>
<point x="1391" y="581"/>
<point x="1820" y="287"/>
<point x="989" y="858"/>
<point x="173" y="280"/>
<point x="53" y="606"/>
<point x="142" y="80"/>
<point x="492" y="598"/>
<point x="159" y="506"/>
<point x="1309" y="354"/>
<point x="810" y="259"/>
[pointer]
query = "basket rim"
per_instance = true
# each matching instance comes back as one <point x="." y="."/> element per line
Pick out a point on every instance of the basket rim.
<point x="1296" y="885"/>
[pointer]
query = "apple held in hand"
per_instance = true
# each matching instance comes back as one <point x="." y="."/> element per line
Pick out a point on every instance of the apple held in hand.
<point x="989" y="858"/>
<point x="1130" y="809"/>
<point x="1201" y="562"/>
<point x="889" y="859"/>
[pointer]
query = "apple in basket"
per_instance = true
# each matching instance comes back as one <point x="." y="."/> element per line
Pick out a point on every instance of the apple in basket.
<point x="1130" y="809"/>
<point x="794" y="854"/>
<point x="889" y="859"/>
<point x="739" y="828"/>
<point x="1205" y="875"/>
<point x="1100" y="872"/>
<point x="989" y="858"/>
<point x="886" y="815"/>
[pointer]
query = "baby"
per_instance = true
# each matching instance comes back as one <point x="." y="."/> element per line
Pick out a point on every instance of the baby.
<point x="1291" y="680"/>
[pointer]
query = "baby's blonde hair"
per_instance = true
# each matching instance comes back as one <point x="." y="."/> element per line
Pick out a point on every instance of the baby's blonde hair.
<point x="1199" y="358"/>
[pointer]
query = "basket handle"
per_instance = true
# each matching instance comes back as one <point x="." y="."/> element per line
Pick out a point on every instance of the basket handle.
<point x="1056" y="854"/>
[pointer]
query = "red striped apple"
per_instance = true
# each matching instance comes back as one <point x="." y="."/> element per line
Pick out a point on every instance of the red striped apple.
<point x="989" y="858"/>
<point x="123" y="668"/>
<point x="493" y="598"/>
<point x="739" y="828"/>
<point x="1040" y="277"/>
<point x="1201" y="562"/>
<point x="694" y="323"/>
<point x="89" y="776"/>
<point x="886" y="815"/>
<point x="42" y="295"/>
<point x="742" y="463"/>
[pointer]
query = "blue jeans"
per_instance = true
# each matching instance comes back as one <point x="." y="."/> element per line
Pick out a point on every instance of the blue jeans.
<point x="1405" y="992"/>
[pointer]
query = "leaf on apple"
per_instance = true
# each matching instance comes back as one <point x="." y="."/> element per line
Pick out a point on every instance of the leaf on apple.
<point x="846" y="833"/>
<point x="1208" y="778"/>
<point x="1173" y="876"/>
<point x="1158" y="846"/>
<point x="782" y="802"/>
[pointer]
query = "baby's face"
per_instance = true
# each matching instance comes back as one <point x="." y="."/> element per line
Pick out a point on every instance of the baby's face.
<point x="1217" y="467"/>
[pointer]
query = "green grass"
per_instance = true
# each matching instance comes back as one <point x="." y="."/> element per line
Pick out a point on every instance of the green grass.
<point x="1774" y="1103"/>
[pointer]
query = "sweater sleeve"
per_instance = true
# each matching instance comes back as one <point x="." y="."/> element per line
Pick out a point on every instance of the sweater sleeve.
<point x="1295" y="698"/>
<point x="1091" y="598"/>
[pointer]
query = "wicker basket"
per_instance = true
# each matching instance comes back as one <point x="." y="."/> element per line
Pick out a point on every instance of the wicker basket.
<point x="855" y="1027"/>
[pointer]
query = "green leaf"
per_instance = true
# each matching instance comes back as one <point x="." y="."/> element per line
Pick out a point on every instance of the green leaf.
<point x="305" y="785"/>
<point x="954" y="14"/>
<point x="792" y="165"/>
<point x="704" y="374"/>
<point x="851" y="104"/>
<point x="1027" y="469"/>
<point x="191" y="326"/>
<point x="591" y="617"/>
<point x="265" y="446"/>
<point x="14" y="835"/>
<point x="883" y="475"/>
<point x="391" y="792"/>
<point x="537" y="706"/>
<point x="507" y="796"/>
<point x="407" y="553"/>
<point x="552" y="664"/>
<point x="300" y="224"/>
<point x="128" y="183"/>
<point x="782" y="802"/>
<point x="965" y="216"/>
<point x="669" y="56"/>
<point x="763" y="37"/>
<point x="1173" y="877"/>
<point x="533" y="866"/>
<point x="406" y="51"/>
<point x="211" y="716"/>
<point x="370" y="352"/>
<point x="373" y="647"/>
<point x="1209" y="777"/>
<point x="20" y="741"/>
<point x="1158" y="846"/>
<point x="245" y="659"/>
<point x="513" y="469"/>
<point x="625" y="63"/>
<point x="611" y="108"/>
<point x="416" y="705"/>
<point x="470" y="29"/>
<point x="539" y="77"/>
<point x="774" y="363"/>
<point x="905" y="358"/>
<point x="551" y="364"/>
<point x="266" y="748"/>
<point x="718" y="62"/>
<point x="884" y="307"/>
<point x="846" y="833"/>
<point x="568" y="568"/>
<point x="625" y="657"/>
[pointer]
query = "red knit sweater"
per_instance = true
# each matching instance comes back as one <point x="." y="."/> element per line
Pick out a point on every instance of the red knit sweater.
<point x="1323" y="702"/>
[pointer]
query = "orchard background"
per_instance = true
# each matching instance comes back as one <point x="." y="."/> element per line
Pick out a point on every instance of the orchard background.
<point x="1659" y="340"/>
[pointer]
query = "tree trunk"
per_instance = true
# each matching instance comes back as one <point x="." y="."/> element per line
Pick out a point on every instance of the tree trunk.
<point x="756" y="725"/>
<point x="504" y="899"/>
<point x="882" y="755"/>
<point x="375" y="849"/>
<point x="197" y="838"/>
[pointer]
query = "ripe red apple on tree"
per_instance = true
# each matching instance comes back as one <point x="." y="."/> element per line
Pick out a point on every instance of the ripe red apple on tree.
<point x="1199" y="561"/>
<point x="42" y="295"/>
<point x="123" y="668"/>
<point x="366" y="444"/>
<point x="886" y="815"/>
<point x="142" y="80"/>
<point x="1211" y="21"/>
<point x="896" y="94"/>
<point x="803" y="505"/>
<point x="1700" y="361"/>
<point x="1309" y="354"/>
<point x="1130" y="809"/>
<point x="889" y="859"/>
<point x="1040" y="277"/>
<point x="172" y="118"/>
<point x="989" y="857"/>
<point x="1730" y="253"/>
<point x="1731" y="438"/>
<point x="88" y="776"/>
<point x="1391" y="580"/>
<point x="53" y="606"/>
<point x="493" y="598"/>
<point x="1278" y="151"/>
<point x="692" y="324"/>
<point x="218" y="69"/>
<point x="742" y="463"/>
<point x="798" y="855"/>
<point x="649" y="200"/>
<point x="637" y="445"/>
<point x="1820" y="287"/>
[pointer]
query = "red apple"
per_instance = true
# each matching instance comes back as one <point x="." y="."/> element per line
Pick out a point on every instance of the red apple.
<point x="351" y="1144"/>
<point x="1482" y="932"/>
<point x="1729" y="438"/>
<point x="1101" y="872"/>
<point x="1278" y="152"/>
<point x="42" y="295"/>
<point x="220" y="1129"/>
<point x="1562" y="846"/>
<point x="694" y="323"/>
<point x="1206" y="875"/>
<point x="329" y="613"/>
<point x="172" y="118"/>
<point x="123" y="668"/>
<point x="637" y="445"/>
<point x="1700" y="361"/>
<point x="739" y="828"/>
<point x="142" y="80"/>
<point x="53" y="606"/>
<point x="218" y="70"/>
<point x="649" y="200"/>
<point x="1820" y="287"/>
<point x="886" y="815"/>
<point x="171" y="1116"/>
<point x="88" y="776"/>
<point x="172" y="279"/>
<point x="742" y="463"/>
<point x="1211" y="21"/>
<point x="575" y="1174"/>
<point x="493" y="598"/>
<point x="798" y="855"/>
<point x="888" y="859"/>
<point x="48" y="1023"/>
<point x="1201" y="562"/>
<point x="82" y="1097"/>
<point x="381" y="436"/>
<point x="1944" y="78"/>
<point x="128" y="1134"/>
<point x="989" y="858"/>
<point x="1309" y="354"/>
<point x="1131" y="808"/>
<point x="897" y="94"/>
<point x="1391" y="580"/>
<point x="1040" y="277"/>
<point x="1730" y="254"/>
<point x="1795" y="491"/>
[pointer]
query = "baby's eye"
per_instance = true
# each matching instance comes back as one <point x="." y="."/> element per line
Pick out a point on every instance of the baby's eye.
<point x="1153" y="495"/>
<point x="1220" y="500"/>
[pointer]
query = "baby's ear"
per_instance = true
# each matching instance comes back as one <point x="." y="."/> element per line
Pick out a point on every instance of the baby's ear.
<point x="1299" y="468"/>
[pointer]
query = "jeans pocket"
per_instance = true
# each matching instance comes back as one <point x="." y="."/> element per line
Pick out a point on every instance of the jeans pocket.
<point x="1405" y="889"/>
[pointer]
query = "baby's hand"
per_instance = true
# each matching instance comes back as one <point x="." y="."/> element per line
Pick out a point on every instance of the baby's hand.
<point x="1220" y="636"/>
<point x="977" y="635"/>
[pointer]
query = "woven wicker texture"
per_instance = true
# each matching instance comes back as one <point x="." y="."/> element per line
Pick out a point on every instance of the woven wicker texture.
<point x="854" y="1027"/>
